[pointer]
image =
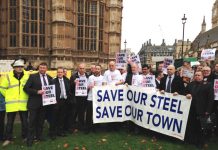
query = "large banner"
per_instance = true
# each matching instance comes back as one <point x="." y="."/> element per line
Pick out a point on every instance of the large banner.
<point x="163" y="113"/>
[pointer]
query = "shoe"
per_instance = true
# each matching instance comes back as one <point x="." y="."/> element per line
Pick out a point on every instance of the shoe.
<point x="7" y="142"/>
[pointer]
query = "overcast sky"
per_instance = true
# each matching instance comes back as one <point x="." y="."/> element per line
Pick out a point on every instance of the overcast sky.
<point x="158" y="19"/>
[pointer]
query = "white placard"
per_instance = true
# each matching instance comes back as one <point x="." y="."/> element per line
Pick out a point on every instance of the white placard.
<point x="81" y="86"/>
<point x="208" y="54"/>
<point x="121" y="60"/>
<point x="136" y="59"/>
<point x="167" y="62"/>
<point x="49" y="97"/>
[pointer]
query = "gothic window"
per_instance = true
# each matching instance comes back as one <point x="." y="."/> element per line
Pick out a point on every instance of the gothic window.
<point x="12" y="40"/>
<point x="33" y="40"/>
<point x="42" y="41"/>
<point x="12" y="26"/>
<point x="34" y="13"/>
<point x="13" y="2"/>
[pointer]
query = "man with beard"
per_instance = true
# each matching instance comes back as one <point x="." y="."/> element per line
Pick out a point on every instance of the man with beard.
<point x="94" y="80"/>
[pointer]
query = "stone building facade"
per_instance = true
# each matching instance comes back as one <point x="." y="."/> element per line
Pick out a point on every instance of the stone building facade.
<point x="149" y="52"/>
<point x="207" y="38"/>
<point x="60" y="32"/>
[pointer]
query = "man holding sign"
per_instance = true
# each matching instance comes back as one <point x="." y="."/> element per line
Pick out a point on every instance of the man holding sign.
<point x="34" y="87"/>
<point x="79" y="91"/>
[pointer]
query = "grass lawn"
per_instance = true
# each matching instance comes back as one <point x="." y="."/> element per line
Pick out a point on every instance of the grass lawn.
<point x="102" y="140"/>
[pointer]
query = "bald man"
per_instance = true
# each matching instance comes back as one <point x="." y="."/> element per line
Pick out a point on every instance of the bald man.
<point x="113" y="76"/>
<point x="172" y="83"/>
<point x="79" y="99"/>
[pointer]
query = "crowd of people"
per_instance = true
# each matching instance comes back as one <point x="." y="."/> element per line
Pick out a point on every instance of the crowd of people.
<point x="21" y="93"/>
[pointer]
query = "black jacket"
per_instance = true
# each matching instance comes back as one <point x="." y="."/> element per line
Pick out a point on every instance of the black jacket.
<point x="31" y="88"/>
<point x="177" y="85"/>
<point x="58" y="89"/>
<point x="202" y="96"/>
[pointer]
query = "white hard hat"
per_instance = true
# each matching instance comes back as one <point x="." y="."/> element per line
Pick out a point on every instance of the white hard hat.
<point x="19" y="62"/>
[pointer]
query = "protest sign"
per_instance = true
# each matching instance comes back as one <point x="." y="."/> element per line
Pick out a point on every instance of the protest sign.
<point x="187" y="73"/>
<point x="121" y="59"/>
<point x="49" y="97"/>
<point x="167" y="62"/>
<point x="136" y="59"/>
<point x="216" y="89"/>
<point x="81" y="86"/>
<point x="148" y="82"/>
<point x="208" y="54"/>
<point x="163" y="113"/>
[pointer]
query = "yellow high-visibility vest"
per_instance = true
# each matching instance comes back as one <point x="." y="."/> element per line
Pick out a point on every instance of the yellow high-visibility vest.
<point x="15" y="97"/>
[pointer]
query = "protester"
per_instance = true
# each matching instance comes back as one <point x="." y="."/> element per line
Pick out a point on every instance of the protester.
<point x="146" y="70"/>
<point x="171" y="83"/>
<point x="215" y="109"/>
<point x="2" y="115"/>
<point x="15" y="99"/>
<point x="80" y="99"/>
<point x="113" y="76"/>
<point x="133" y="78"/>
<point x="207" y="74"/>
<point x="201" y="106"/>
<point x="123" y="73"/>
<point x="187" y="73"/>
<point x="65" y="72"/>
<point x="62" y="90"/>
<point x="30" y="67"/>
<point x="160" y="75"/>
<point x="94" y="80"/>
<point x="36" y="110"/>
<point x="92" y="70"/>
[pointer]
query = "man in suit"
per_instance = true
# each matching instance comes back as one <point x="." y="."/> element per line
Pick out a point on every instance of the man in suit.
<point x="36" y="110"/>
<point x="160" y="75"/>
<point x="172" y="83"/>
<point x="80" y="100"/>
<point x="62" y="89"/>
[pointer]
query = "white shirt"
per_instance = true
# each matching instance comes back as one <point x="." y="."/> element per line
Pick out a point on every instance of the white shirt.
<point x="64" y="90"/>
<point x="112" y="77"/>
<point x="96" y="81"/>
<point x="42" y="81"/>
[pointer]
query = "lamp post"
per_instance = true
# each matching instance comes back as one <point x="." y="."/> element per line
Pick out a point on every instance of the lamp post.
<point x="183" y="22"/>
<point x="125" y="45"/>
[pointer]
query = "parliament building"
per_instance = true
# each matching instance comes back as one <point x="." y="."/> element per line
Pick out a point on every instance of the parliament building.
<point x="60" y="32"/>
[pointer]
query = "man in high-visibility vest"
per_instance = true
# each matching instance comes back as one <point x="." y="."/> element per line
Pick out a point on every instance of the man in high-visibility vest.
<point x="11" y="88"/>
